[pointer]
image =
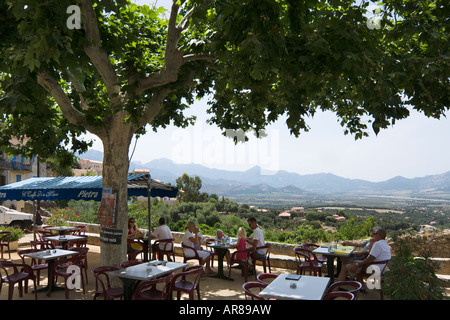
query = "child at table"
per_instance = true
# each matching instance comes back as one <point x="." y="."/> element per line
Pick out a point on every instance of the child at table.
<point x="241" y="244"/>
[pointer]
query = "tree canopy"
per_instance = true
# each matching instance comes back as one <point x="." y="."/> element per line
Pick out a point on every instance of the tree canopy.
<point x="113" y="67"/>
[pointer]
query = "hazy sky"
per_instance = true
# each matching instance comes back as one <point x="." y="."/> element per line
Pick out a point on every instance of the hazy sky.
<point x="414" y="147"/>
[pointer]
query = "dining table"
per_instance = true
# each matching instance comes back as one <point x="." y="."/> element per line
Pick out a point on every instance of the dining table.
<point x="296" y="287"/>
<point x="221" y="248"/>
<point x="64" y="239"/>
<point x="144" y="271"/>
<point x="61" y="229"/>
<point x="332" y="252"/>
<point x="50" y="256"/>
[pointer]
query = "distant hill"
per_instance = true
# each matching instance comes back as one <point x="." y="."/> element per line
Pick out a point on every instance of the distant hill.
<point x="252" y="181"/>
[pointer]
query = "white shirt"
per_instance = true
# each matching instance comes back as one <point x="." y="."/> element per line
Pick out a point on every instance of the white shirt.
<point x="163" y="232"/>
<point x="259" y="235"/>
<point x="381" y="251"/>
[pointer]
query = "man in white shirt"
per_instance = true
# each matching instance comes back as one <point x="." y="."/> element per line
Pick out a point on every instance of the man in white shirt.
<point x="380" y="252"/>
<point x="162" y="232"/>
<point x="257" y="240"/>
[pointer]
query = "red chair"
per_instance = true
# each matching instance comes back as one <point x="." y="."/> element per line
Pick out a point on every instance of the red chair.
<point x="338" y="294"/>
<point x="243" y="263"/>
<point x="17" y="276"/>
<point x="364" y="274"/>
<point x="249" y="287"/>
<point x="263" y="276"/>
<point x="80" y="230"/>
<point x="35" y="264"/>
<point x="211" y="250"/>
<point x="265" y="259"/>
<point x="4" y="242"/>
<point x="195" y="255"/>
<point x="78" y="243"/>
<point x="166" y="250"/>
<point x="313" y="246"/>
<point x="183" y="285"/>
<point x="103" y="284"/>
<point x="129" y="263"/>
<point x="60" y="269"/>
<point x="83" y="251"/>
<point x="40" y="241"/>
<point x="132" y="250"/>
<point x="343" y="286"/>
<point x="304" y="262"/>
<point x="147" y="290"/>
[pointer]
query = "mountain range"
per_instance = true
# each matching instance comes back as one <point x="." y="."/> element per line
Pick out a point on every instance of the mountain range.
<point x="253" y="181"/>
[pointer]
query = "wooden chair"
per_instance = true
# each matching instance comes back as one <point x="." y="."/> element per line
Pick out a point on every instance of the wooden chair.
<point x="242" y="263"/>
<point x="249" y="287"/>
<point x="103" y="284"/>
<point x="21" y="273"/>
<point x="148" y="290"/>
<point x="180" y="283"/>
<point x="4" y="242"/>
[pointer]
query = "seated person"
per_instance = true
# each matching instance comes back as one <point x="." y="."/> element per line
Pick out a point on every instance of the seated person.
<point x="133" y="232"/>
<point x="161" y="232"/>
<point x="132" y="228"/>
<point x="380" y="252"/>
<point x="366" y="245"/>
<point x="191" y="239"/>
<point x="241" y="244"/>
<point x="219" y="235"/>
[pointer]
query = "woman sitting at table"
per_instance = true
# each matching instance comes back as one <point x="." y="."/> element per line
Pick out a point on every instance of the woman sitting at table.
<point x="192" y="239"/>
<point x="133" y="232"/>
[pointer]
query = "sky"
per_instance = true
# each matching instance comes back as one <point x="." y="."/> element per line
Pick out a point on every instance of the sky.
<point x="414" y="147"/>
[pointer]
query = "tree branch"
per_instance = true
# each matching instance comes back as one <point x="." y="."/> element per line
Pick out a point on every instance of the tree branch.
<point x="63" y="101"/>
<point x="97" y="55"/>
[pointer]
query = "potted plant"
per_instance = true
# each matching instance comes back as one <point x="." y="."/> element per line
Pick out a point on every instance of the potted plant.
<point x="14" y="237"/>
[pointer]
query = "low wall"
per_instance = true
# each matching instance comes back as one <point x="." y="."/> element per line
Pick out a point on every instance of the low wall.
<point x="282" y="254"/>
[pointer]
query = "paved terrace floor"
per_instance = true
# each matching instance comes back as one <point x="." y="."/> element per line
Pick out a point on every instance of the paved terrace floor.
<point x="211" y="288"/>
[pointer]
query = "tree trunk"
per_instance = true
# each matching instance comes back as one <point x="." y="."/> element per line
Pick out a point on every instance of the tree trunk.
<point x="115" y="170"/>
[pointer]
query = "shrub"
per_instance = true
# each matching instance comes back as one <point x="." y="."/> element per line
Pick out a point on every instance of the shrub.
<point x="410" y="278"/>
